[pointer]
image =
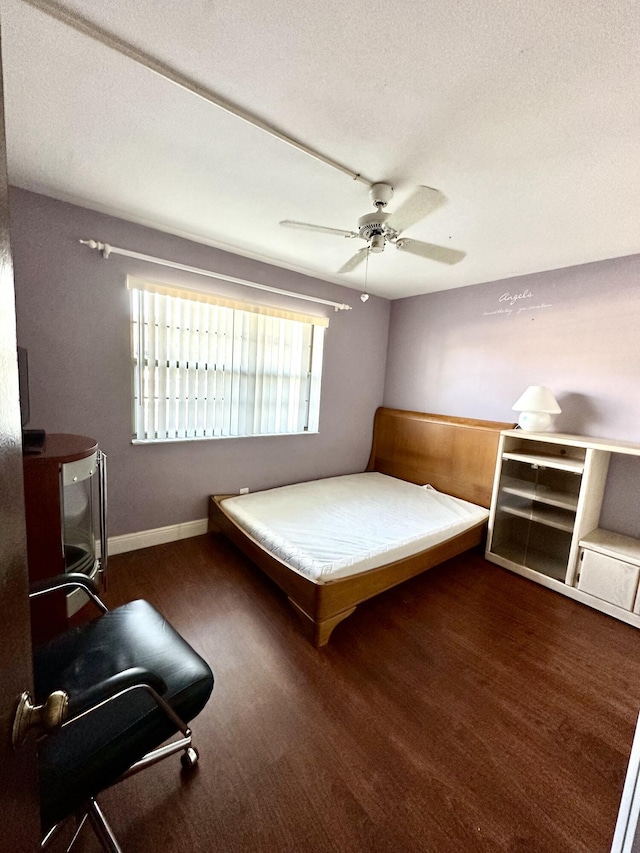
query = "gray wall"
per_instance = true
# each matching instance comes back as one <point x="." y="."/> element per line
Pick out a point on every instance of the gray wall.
<point x="472" y="351"/>
<point x="73" y="317"/>
<point x="469" y="352"/>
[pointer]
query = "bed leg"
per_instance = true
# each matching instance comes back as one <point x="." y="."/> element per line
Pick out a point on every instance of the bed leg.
<point x="323" y="629"/>
<point x="320" y="631"/>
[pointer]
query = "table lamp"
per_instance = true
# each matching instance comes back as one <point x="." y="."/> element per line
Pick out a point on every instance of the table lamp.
<point x="536" y="406"/>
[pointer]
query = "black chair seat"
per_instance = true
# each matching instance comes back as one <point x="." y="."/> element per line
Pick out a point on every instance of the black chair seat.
<point x="121" y="732"/>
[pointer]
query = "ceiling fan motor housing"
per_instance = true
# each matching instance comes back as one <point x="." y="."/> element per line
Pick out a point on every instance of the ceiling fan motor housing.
<point x="381" y="194"/>
<point x="372" y="224"/>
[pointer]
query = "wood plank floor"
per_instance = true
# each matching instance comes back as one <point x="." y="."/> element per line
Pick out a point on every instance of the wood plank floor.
<point x="466" y="710"/>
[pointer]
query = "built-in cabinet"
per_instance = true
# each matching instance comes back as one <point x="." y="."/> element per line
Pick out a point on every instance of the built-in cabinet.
<point x="545" y="514"/>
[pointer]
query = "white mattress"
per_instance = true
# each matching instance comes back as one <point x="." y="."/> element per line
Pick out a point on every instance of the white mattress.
<point x="328" y="529"/>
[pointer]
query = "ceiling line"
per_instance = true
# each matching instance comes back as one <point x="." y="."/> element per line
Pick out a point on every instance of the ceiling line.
<point x="88" y="28"/>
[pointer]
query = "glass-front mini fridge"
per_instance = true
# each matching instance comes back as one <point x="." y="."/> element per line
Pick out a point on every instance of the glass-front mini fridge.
<point x="65" y="487"/>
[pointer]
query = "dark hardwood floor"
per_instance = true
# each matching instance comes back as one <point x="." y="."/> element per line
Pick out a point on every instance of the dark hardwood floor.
<point x="466" y="710"/>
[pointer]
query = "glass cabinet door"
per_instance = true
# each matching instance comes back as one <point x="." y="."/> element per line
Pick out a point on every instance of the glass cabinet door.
<point x="79" y="514"/>
<point x="535" y="515"/>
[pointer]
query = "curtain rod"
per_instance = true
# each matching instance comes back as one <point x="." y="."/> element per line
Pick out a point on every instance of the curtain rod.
<point x="108" y="39"/>
<point x="107" y="250"/>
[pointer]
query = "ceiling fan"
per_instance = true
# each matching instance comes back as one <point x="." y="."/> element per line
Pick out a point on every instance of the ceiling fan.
<point x="380" y="227"/>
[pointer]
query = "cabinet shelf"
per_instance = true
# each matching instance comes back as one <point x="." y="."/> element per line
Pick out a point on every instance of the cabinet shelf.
<point x="542" y="515"/>
<point x="547" y="460"/>
<point x="539" y="493"/>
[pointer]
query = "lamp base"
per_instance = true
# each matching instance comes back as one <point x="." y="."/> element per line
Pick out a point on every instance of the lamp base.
<point x="534" y="421"/>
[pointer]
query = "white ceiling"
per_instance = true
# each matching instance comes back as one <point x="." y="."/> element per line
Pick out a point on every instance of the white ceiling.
<point x="525" y="115"/>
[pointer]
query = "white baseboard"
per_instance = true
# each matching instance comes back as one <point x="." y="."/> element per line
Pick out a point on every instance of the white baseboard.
<point x="157" y="536"/>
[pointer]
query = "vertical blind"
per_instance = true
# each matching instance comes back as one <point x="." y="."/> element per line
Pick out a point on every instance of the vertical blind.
<point x="206" y="367"/>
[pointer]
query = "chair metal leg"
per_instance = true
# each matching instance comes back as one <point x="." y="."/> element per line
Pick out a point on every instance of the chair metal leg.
<point x="183" y="745"/>
<point x="81" y="819"/>
<point x="51" y="835"/>
<point x="101" y="828"/>
<point x="92" y="811"/>
<point x="76" y="834"/>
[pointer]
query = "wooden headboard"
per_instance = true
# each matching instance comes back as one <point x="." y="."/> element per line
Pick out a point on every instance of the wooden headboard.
<point x="454" y="455"/>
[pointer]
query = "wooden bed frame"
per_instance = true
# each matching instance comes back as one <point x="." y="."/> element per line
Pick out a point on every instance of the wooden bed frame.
<point x="454" y="455"/>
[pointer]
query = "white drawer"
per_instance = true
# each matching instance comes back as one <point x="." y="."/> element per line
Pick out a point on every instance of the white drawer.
<point x="609" y="579"/>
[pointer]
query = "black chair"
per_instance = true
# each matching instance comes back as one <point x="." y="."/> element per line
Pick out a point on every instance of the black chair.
<point x="132" y="682"/>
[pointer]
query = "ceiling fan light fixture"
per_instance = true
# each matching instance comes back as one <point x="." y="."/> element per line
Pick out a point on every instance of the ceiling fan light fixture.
<point x="377" y="243"/>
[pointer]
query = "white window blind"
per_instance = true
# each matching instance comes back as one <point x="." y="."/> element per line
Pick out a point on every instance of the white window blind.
<point x="205" y="366"/>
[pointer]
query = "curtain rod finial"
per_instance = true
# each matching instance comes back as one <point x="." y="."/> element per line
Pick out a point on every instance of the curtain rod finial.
<point x="105" y="248"/>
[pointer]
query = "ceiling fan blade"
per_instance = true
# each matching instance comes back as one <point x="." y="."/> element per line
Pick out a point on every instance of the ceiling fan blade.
<point x="305" y="226"/>
<point x="442" y="254"/>
<point x="354" y="260"/>
<point x="420" y="203"/>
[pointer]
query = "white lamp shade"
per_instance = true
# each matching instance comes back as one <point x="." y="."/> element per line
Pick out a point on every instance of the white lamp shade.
<point x="537" y="398"/>
<point x="536" y="405"/>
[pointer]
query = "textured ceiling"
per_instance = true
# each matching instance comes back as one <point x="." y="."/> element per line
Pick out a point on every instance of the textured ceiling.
<point x="525" y="115"/>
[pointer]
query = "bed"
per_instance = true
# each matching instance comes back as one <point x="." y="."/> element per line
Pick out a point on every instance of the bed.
<point x="423" y="468"/>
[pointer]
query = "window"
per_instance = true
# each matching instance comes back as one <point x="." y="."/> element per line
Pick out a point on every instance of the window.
<point x="207" y="367"/>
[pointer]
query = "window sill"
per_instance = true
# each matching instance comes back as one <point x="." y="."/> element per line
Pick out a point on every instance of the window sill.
<point x="218" y="437"/>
